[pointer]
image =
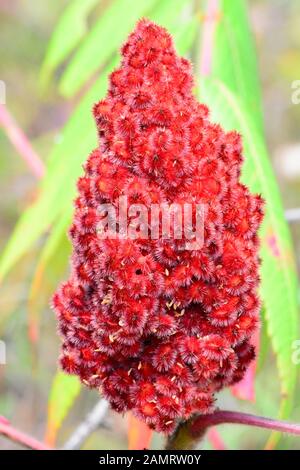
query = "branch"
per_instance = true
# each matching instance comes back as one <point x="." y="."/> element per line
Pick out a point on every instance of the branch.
<point x="92" y="421"/>
<point x="188" y="433"/>
<point x="235" y="417"/>
<point x="21" y="143"/>
<point x="19" y="437"/>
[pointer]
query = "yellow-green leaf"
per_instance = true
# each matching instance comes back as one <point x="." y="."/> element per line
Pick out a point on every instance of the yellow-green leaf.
<point x="64" y="391"/>
<point x="102" y="41"/>
<point x="69" y="30"/>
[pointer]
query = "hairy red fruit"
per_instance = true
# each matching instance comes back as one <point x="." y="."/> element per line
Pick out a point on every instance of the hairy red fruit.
<point x="158" y="327"/>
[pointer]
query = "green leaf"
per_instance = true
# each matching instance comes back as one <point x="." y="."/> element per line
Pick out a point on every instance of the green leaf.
<point x="264" y="343"/>
<point x="70" y="29"/>
<point x="64" y="391"/>
<point x="278" y="272"/>
<point x="183" y="28"/>
<point x="234" y="57"/>
<point x="102" y="41"/>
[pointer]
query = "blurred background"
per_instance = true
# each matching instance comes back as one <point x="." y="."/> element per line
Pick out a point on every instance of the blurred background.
<point x="41" y="111"/>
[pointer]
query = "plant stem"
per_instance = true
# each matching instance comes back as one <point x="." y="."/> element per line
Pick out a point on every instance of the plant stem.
<point x="21" y="142"/>
<point x="188" y="433"/>
<point x="21" y="438"/>
<point x="215" y="439"/>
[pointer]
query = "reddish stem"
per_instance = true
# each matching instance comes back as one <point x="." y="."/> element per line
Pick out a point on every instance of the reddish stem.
<point x="188" y="433"/>
<point x="21" y="438"/>
<point x="21" y="143"/>
<point x="234" y="417"/>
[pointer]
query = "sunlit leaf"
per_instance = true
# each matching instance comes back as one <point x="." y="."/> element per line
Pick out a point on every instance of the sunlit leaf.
<point x="51" y="265"/>
<point x="245" y="389"/>
<point x="78" y="138"/>
<point x="234" y="57"/>
<point x="64" y="391"/>
<point x="265" y="345"/>
<point x="104" y="38"/>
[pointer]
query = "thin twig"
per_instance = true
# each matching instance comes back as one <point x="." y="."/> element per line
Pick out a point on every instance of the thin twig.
<point x="7" y="430"/>
<point x="189" y="433"/>
<point x="235" y="417"/>
<point x="92" y="421"/>
<point x="21" y="142"/>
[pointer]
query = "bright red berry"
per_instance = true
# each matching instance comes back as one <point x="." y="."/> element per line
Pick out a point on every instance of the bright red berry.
<point x="158" y="327"/>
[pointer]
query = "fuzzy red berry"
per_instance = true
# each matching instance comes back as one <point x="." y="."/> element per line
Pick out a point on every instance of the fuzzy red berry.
<point x="157" y="326"/>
